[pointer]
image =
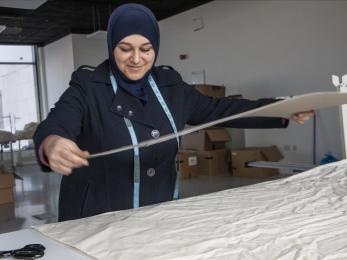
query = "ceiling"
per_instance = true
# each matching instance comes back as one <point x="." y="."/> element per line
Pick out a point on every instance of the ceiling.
<point x="53" y="19"/>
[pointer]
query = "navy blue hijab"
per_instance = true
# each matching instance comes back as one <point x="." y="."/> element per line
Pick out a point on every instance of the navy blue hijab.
<point x="126" y="20"/>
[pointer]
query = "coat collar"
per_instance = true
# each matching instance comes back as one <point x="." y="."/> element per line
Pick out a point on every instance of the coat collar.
<point x="101" y="75"/>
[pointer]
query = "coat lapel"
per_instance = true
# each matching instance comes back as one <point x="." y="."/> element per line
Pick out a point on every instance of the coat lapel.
<point x="127" y="106"/>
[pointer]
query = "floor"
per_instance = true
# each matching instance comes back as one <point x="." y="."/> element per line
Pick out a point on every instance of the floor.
<point x="36" y="195"/>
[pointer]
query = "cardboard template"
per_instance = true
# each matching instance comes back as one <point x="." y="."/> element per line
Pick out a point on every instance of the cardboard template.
<point x="284" y="108"/>
<point x="306" y="102"/>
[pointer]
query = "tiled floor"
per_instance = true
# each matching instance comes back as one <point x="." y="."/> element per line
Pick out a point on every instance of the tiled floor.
<point x="37" y="194"/>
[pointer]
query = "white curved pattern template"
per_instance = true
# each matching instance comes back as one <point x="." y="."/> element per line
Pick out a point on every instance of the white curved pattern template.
<point x="284" y="108"/>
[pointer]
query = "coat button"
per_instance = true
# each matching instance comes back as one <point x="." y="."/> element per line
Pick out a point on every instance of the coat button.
<point x="150" y="172"/>
<point x="119" y="108"/>
<point x="155" y="133"/>
<point x="130" y="113"/>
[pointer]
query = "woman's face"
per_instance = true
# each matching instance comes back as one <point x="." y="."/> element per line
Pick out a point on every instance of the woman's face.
<point x="134" y="56"/>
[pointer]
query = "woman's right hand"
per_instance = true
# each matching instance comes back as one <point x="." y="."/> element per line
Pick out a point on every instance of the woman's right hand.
<point x="64" y="155"/>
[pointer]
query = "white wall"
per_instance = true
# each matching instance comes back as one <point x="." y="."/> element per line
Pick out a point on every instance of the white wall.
<point x="58" y="66"/>
<point x="266" y="48"/>
<point x="60" y="58"/>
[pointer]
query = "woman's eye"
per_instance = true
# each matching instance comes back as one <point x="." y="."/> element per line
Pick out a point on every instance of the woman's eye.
<point x="146" y="50"/>
<point x="125" y="49"/>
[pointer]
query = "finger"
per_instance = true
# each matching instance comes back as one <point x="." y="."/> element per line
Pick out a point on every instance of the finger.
<point x="86" y="154"/>
<point x="302" y="115"/>
<point x="304" y="118"/>
<point x="295" y="117"/>
<point x="67" y="164"/>
<point x="307" y="113"/>
<point x="300" y="122"/>
<point x="302" y="112"/>
<point x="78" y="156"/>
<point x="74" y="160"/>
<point x="61" y="169"/>
<point x="76" y="150"/>
<point x="79" y="152"/>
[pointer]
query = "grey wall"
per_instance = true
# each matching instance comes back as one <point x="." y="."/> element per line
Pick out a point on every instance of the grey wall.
<point x="88" y="51"/>
<point x="262" y="49"/>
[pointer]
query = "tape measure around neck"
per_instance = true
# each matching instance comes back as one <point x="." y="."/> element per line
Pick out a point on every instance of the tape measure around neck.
<point x="136" y="186"/>
<point x="164" y="106"/>
<point x="137" y="170"/>
<point x="173" y="125"/>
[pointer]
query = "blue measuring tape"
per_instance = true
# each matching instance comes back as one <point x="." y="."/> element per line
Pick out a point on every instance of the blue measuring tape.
<point x="173" y="125"/>
<point x="136" y="193"/>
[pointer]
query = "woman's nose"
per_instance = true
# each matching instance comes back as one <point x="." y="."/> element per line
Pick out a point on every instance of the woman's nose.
<point x="135" y="58"/>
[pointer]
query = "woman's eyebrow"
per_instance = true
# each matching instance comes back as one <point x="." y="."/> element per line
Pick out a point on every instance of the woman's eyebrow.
<point x="126" y="43"/>
<point x="129" y="44"/>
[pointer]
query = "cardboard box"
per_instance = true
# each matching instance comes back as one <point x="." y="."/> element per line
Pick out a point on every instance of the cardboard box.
<point x="187" y="164"/>
<point x="6" y="195"/>
<point x="6" y="179"/>
<point x="6" y="187"/>
<point x="210" y="90"/>
<point x="7" y="211"/>
<point x="213" y="162"/>
<point x="206" y="140"/>
<point x="240" y="158"/>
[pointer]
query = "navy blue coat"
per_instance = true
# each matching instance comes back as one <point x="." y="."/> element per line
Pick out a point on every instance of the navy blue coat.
<point x="89" y="113"/>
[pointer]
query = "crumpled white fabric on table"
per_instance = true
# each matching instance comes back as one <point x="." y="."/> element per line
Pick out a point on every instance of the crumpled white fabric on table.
<point x="300" y="217"/>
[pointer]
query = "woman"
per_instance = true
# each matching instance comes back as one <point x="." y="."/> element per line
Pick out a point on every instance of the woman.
<point x="127" y="100"/>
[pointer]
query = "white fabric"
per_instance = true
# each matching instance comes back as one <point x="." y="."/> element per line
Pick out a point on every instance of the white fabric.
<point x="300" y="217"/>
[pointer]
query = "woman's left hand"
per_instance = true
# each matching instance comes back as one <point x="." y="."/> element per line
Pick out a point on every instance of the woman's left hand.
<point x="302" y="117"/>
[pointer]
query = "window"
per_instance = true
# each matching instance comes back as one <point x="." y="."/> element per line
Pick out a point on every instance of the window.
<point x="18" y="88"/>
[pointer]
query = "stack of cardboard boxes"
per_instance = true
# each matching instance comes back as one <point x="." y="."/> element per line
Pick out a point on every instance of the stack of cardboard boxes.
<point x="6" y="195"/>
<point x="210" y="90"/>
<point x="204" y="152"/>
<point x="240" y="158"/>
<point x="187" y="161"/>
<point x="209" y="146"/>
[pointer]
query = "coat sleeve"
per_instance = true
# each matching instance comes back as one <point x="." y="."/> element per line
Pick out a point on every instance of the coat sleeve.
<point x="201" y="109"/>
<point x="65" y="119"/>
